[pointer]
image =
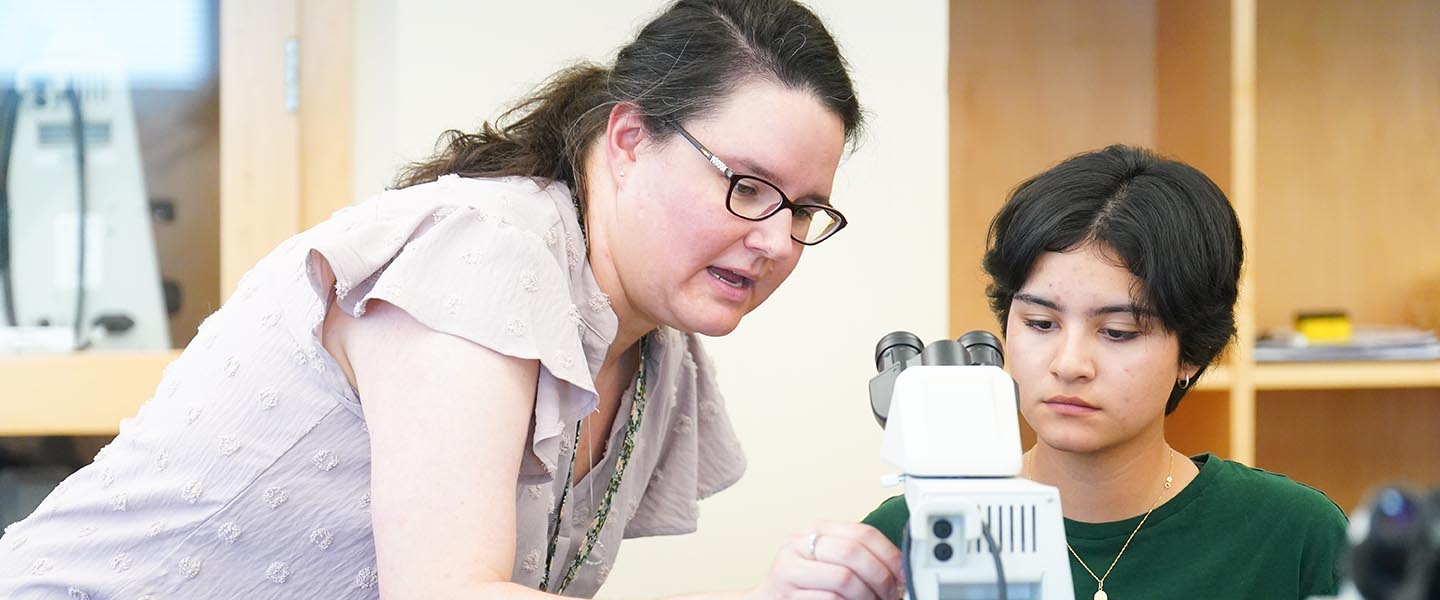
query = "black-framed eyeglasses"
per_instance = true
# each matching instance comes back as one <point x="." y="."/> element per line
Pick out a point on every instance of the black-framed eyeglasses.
<point x="754" y="199"/>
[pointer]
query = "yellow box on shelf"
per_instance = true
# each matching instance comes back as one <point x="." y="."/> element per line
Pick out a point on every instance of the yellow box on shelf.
<point x="1331" y="327"/>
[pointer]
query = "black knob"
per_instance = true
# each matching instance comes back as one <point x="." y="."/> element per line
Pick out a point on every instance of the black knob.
<point x="943" y="529"/>
<point x="943" y="552"/>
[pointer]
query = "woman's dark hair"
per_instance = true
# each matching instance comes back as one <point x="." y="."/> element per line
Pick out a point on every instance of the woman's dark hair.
<point x="683" y="64"/>
<point x="1165" y="221"/>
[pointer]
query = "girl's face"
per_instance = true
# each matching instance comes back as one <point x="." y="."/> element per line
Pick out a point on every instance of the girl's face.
<point x="681" y="257"/>
<point x="1091" y="375"/>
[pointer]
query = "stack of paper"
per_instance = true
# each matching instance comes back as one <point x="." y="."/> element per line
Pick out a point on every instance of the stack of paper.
<point x="1366" y="343"/>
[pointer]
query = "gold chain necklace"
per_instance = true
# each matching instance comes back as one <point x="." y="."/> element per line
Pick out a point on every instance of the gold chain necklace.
<point x="1100" y="581"/>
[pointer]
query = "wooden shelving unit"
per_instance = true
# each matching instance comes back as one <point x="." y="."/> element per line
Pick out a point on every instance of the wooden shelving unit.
<point x="75" y="394"/>
<point x="1347" y="376"/>
<point x="1217" y="379"/>
<point x="1315" y="116"/>
<point x="282" y="170"/>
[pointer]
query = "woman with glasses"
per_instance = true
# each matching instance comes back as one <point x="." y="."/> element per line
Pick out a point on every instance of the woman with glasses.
<point x="479" y="383"/>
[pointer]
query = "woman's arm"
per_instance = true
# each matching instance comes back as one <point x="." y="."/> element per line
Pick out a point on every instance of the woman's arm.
<point x="448" y="421"/>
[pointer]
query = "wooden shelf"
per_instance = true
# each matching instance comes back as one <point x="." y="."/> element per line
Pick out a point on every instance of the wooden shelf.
<point x="76" y="394"/>
<point x="1347" y="375"/>
<point x="1217" y="379"/>
<point x="267" y="194"/>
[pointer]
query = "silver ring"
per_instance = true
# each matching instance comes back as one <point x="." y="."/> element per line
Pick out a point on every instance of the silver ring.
<point x="810" y="549"/>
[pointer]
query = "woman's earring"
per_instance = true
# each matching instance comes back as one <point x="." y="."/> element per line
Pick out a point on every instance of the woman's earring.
<point x="1185" y="383"/>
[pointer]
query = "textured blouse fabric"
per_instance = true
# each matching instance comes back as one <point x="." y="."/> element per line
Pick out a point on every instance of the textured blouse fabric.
<point x="247" y="475"/>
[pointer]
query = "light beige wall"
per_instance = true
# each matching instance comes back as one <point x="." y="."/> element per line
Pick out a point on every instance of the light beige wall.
<point x="795" y="372"/>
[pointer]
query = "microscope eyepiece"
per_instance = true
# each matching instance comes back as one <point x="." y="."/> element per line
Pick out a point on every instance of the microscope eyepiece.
<point x="982" y="348"/>
<point x="895" y="348"/>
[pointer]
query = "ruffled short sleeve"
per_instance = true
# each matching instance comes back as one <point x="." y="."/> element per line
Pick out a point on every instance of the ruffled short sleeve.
<point x="693" y="452"/>
<point x="489" y="261"/>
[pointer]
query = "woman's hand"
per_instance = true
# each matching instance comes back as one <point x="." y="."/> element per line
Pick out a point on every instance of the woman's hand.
<point x="835" y="560"/>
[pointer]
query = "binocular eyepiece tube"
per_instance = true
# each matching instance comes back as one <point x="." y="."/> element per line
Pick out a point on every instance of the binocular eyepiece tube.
<point x="976" y="348"/>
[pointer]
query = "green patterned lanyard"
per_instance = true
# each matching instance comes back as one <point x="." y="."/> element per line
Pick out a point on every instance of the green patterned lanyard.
<point x="627" y="447"/>
<point x="580" y="219"/>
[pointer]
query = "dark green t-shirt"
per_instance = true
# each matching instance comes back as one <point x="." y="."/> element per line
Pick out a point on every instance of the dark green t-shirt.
<point x="1234" y="533"/>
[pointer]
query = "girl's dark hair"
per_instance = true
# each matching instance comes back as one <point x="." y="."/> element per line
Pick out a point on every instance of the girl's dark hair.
<point x="1166" y="221"/>
<point x="683" y="64"/>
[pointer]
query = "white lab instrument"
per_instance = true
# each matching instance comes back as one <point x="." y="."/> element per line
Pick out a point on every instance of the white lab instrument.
<point x="82" y="268"/>
<point x="977" y="530"/>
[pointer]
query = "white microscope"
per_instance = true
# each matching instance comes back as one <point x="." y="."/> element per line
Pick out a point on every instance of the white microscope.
<point x="977" y="530"/>
<point x="78" y="267"/>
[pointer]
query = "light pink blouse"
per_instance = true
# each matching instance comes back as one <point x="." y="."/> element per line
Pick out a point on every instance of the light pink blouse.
<point x="247" y="475"/>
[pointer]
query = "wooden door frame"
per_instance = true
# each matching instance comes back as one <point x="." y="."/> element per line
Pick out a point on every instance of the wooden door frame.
<point x="286" y="117"/>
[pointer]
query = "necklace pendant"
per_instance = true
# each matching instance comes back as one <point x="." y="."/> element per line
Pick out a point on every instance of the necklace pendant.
<point x="1101" y="595"/>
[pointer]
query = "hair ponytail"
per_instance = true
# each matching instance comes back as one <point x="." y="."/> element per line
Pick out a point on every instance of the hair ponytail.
<point x="542" y="136"/>
<point x="683" y="64"/>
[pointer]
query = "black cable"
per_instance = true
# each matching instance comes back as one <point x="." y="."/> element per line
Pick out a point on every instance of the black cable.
<point x="9" y="107"/>
<point x="77" y="128"/>
<point x="905" y="560"/>
<point x="995" y="554"/>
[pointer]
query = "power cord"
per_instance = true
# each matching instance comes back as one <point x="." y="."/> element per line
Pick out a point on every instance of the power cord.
<point x="995" y="554"/>
<point x="905" y="560"/>
<point x="77" y="128"/>
<point x="9" y="107"/>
